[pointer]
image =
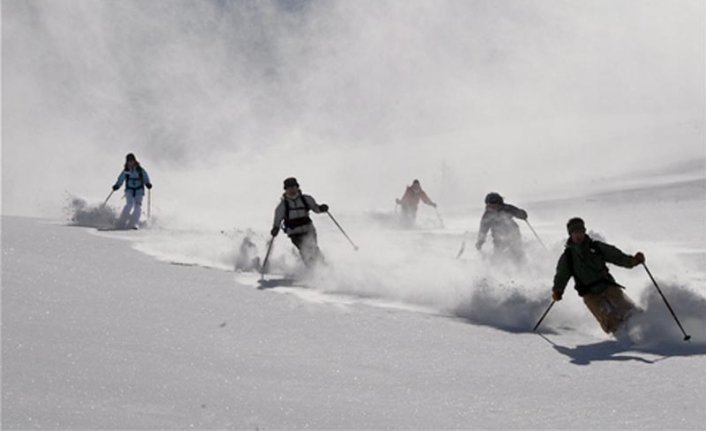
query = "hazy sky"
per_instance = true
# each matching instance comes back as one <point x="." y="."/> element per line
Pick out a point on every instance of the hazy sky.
<point x="357" y="96"/>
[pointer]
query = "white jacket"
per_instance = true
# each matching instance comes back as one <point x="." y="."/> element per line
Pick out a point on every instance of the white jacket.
<point x="295" y="213"/>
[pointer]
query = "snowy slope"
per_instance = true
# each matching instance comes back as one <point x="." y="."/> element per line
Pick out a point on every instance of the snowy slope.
<point x="97" y="335"/>
<point x="567" y="108"/>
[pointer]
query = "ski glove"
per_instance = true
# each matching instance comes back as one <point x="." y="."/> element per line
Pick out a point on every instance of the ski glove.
<point x="274" y="231"/>
<point x="148" y="185"/>
<point x="323" y="208"/>
<point x="115" y="187"/>
<point x="638" y="258"/>
<point x="557" y="294"/>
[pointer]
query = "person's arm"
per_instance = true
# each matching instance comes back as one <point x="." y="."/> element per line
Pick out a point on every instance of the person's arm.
<point x="561" y="277"/>
<point x="515" y="212"/>
<point x="121" y="179"/>
<point x="483" y="231"/>
<point x="279" y="216"/>
<point x="615" y="256"/>
<point x="311" y="203"/>
<point x="426" y="199"/>
<point x="405" y="197"/>
<point x="146" y="179"/>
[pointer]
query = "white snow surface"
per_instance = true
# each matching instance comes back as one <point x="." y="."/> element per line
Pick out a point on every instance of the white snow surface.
<point x="398" y="335"/>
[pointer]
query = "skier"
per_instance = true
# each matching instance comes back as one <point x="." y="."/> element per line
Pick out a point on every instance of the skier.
<point x="292" y="214"/>
<point x="410" y="202"/>
<point x="585" y="259"/>
<point x="136" y="179"/>
<point x="498" y="219"/>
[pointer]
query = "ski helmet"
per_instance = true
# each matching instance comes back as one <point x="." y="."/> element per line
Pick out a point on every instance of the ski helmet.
<point x="493" y="198"/>
<point x="129" y="157"/>
<point x="290" y="182"/>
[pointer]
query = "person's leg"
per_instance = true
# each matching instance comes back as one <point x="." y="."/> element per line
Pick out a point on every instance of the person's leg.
<point x="504" y="251"/>
<point x="408" y="216"/>
<point x="599" y="308"/>
<point x="136" y="211"/>
<point x="515" y="253"/>
<point x="296" y="240"/>
<point x="125" y="214"/>
<point x="621" y="304"/>
<point x="610" y="307"/>
<point x="308" y="248"/>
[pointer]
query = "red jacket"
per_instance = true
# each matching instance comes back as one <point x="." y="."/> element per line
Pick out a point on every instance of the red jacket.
<point x="411" y="198"/>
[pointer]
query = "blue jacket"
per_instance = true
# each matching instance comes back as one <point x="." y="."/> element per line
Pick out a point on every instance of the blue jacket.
<point x="135" y="180"/>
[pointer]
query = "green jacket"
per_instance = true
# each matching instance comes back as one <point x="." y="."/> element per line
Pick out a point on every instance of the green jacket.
<point x="586" y="262"/>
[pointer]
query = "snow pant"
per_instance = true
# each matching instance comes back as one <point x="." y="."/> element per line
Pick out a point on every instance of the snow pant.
<point x="611" y="307"/>
<point x="308" y="247"/>
<point x="511" y="251"/>
<point x="408" y="216"/>
<point x="132" y="211"/>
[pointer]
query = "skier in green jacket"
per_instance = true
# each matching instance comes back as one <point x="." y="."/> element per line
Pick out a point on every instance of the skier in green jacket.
<point x="585" y="259"/>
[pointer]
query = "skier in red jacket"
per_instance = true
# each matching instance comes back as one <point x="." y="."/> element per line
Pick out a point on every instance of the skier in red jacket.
<point x="410" y="203"/>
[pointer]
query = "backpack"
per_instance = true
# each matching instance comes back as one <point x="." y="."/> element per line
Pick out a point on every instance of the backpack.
<point x="140" y="178"/>
<point x="290" y="223"/>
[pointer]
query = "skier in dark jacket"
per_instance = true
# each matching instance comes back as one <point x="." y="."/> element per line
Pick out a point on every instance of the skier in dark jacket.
<point x="498" y="219"/>
<point x="136" y="179"/>
<point x="292" y="214"/>
<point x="410" y="203"/>
<point x="585" y="259"/>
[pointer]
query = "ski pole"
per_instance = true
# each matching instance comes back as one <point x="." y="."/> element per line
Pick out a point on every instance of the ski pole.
<point x="686" y="337"/>
<point x="149" y="203"/>
<point x="267" y="256"/>
<point x="106" y="199"/>
<point x="535" y="234"/>
<point x="355" y="247"/>
<point x="543" y="315"/>
<point x="463" y="246"/>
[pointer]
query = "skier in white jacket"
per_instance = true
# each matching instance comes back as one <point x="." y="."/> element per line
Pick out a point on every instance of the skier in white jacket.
<point x="292" y="214"/>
